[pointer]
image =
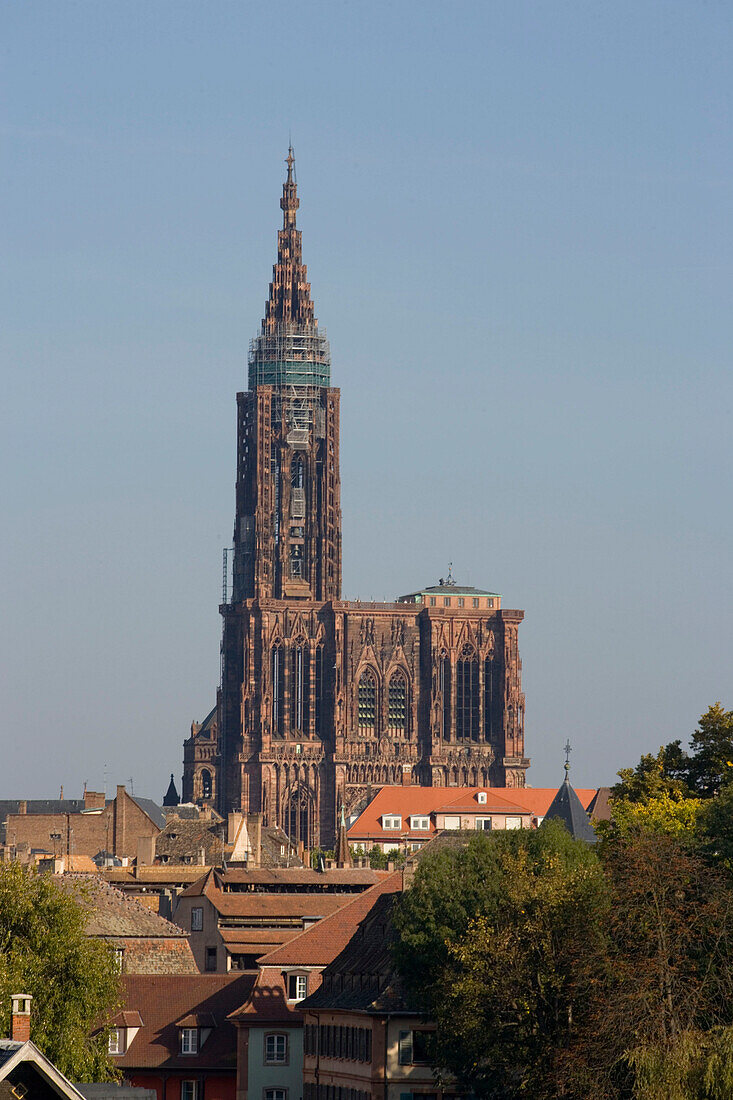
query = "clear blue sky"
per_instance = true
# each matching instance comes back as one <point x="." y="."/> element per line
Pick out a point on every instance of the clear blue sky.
<point x="517" y="223"/>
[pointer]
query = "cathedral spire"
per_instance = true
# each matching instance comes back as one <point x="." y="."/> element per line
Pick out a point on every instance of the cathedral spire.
<point x="290" y="349"/>
<point x="290" y="293"/>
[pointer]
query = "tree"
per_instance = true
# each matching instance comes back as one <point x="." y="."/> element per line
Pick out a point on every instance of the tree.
<point x="504" y="939"/>
<point x="664" y="814"/>
<point x="711" y="760"/>
<point x="654" y="775"/>
<point x="700" y="773"/>
<point x="72" y="978"/>
<point x="658" y="1026"/>
<point x="716" y="828"/>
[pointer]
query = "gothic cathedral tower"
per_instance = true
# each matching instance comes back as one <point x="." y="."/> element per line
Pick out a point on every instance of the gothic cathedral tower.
<point x="287" y="535"/>
<point x="322" y="700"/>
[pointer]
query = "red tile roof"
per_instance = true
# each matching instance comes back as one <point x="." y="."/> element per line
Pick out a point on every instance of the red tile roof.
<point x="468" y="802"/>
<point x="301" y="876"/>
<point x="268" y="1003"/>
<point x="164" y="1000"/>
<point x="265" y="938"/>
<point x="271" y="906"/>
<point x="319" y="945"/>
<point x="424" y="801"/>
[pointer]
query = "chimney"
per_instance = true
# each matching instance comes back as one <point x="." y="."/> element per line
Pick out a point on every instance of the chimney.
<point x="254" y="828"/>
<point x="202" y="857"/>
<point x="93" y="800"/>
<point x="22" y="806"/>
<point x="145" y="851"/>
<point x="233" y="823"/>
<point x="20" y="1021"/>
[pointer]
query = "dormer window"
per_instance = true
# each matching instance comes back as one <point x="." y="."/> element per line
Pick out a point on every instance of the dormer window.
<point x="116" y="1041"/>
<point x="189" y="1040"/>
<point x="419" y="822"/>
<point x="297" y="987"/>
<point x="481" y="798"/>
<point x="391" y="821"/>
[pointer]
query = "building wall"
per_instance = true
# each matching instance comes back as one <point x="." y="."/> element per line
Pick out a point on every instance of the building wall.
<point x="116" y="828"/>
<point x="261" y="1076"/>
<point x="382" y="1076"/>
<point x="213" y="1085"/>
<point x="157" y="955"/>
<point x="299" y="776"/>
<point x="209" y="935"/>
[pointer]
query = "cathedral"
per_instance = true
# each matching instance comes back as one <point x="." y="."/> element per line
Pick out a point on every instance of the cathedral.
<point x="324" y="700"/>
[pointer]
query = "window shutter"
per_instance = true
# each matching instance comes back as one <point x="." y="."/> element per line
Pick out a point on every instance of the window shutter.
<point x="405" y="1051"/>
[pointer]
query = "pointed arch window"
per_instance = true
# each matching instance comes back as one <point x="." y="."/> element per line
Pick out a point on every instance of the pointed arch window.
<point x="298" y="815"/>
<point x="397" y="705"/>
<point x="446" y="684"/>
<point x="319" y="692"/>
<point x="278" y="691"/>
<point x="467" y="696"/>
<point x="299" y="687"/>
<point x="490" y="697"/>
<point x="367" y="702"/>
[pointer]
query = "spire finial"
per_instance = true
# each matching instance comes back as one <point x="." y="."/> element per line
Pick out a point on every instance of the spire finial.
<point x="567" y="750"/>
<point x="290" y="161"/>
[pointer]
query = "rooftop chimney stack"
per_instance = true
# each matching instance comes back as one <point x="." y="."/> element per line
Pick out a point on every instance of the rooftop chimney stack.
<point x="20" y="1020"/>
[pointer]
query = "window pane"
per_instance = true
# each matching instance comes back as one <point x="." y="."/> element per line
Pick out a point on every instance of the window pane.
<point x="367" y="702"/>
<point x="397" y="703"/>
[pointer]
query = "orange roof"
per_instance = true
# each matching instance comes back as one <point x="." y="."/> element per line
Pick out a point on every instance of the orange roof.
<point x="468" y="802"/>
<point x="321" y="943"/>
<point x="268" y="1003"/>
<point x="163" y="1001"/>
<point x="421" y="801"/>
<point x="276" y="905"/>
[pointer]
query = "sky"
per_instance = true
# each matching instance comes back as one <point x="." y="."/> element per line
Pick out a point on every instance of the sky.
<point x="517" y="223"/>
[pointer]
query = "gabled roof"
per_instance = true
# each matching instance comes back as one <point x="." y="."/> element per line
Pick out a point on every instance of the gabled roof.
<point x="275" y="905"/>
<point x="152" y="809"/>
<point x="15" y="1056"/>
<point x="112" y="913"/>
<point x="416" y="801"/>
<point x="299" y="876"/>
<point x="468" y="802"/>
<point x="165" y="1000"/>
<point x="566" y="807"/>
<point x="320" y="945"/>
<point x="362" y="978"/>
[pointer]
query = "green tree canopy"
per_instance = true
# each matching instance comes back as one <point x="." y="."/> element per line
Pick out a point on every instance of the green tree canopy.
<point x="73" y="979"/>
<point x="701" y="772"/>
<point x="658" y="1026"/>
<point x="504" y="938"/>
<point x="665" y="814"/>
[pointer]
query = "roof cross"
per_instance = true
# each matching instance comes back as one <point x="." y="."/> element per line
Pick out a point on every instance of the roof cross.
<point x="567" y="750"/>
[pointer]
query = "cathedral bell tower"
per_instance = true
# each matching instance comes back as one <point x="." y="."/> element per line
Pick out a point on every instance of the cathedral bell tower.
<point x="287" y="533"/>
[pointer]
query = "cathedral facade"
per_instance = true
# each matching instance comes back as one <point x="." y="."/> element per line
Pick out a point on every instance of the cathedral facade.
<point x="322" y="700"/>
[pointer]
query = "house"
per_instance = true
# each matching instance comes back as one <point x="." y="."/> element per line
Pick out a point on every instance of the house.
<point x="364" y="1036"/>
<point x="269" y="1025"/>
<point x="24" y="1070"/>
<point x="76" y="827"/>
<point x="144" y="942"/>
<point x="406" y="817"/>
<point x="154" y="886"/>
<point x="235" y="916"/>
<point x="174" y="1034"/>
